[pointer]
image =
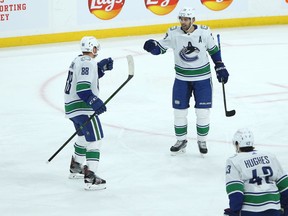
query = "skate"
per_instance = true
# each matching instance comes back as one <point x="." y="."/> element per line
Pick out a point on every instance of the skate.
<point x="92" y="181"/>
<point x="76" y="170"/>
<point x="202" y="147"/>
<point x="179" y="147"/>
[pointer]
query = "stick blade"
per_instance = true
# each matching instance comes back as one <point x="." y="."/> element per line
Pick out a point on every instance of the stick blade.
<point x="230" y="113"/>
<point x="131" y="67"/>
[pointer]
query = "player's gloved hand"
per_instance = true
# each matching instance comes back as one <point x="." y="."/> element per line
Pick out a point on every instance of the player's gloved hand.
<point x="105" y="64"/>
<point x="152" y="47"/>
<point x="229" y="212"/>
<point x="97" y="105"/>
<point x="221" y="72"/>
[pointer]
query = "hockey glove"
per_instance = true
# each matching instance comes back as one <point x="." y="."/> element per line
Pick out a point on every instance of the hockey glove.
<point x="97" y="105"/>
<point x="229" y="212"/>
<point x="152" y="47"/>
<point x="221" y="72"/>
<point x="105" y="64"/>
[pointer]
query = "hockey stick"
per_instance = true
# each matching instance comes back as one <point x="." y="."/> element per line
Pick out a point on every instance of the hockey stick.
<point x="130" y="76"/>
<point x="231" y="112"/>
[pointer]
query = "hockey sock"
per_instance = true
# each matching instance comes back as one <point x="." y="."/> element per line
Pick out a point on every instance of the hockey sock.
<point x="93" y="155"/>
<point x="180" y="123"/>
<point x="80" y="149"/>
<point x="202" y="123"/>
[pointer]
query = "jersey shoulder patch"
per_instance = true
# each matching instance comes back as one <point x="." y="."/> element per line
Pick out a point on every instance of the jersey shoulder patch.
<point x="173" y="28"/>
<point x="86" y="58"/>
<point x="233" y="156"/>
<point x="204" y="27"/>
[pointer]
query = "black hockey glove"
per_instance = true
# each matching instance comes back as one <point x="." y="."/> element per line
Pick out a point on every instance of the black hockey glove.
<point x="152" y="47"/>
<point x="229" y="212"/>
<point x="105" y="64"/>
<point x="221" y="72"/>
<point x="97" y="105"/>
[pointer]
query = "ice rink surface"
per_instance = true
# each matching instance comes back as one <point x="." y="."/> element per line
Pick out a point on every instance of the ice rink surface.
<point x="142" y="178"/>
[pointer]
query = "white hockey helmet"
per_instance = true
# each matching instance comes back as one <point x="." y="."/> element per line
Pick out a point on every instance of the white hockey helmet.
<point x="88" y="43"/>
<point x="187" y="12"/>
<point x="243" y="138"/>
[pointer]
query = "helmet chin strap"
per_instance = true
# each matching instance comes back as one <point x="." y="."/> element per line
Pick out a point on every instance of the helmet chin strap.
<point x="237" y="148"/>
<point x="190" y="27"/>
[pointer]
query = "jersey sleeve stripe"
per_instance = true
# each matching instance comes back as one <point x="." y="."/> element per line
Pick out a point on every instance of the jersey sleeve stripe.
<point x="282" y="183"/>
<point x="83" y="86"/>
<point x="235" y="186"/>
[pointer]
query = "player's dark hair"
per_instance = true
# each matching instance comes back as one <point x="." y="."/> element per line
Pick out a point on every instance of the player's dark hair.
<point x="247" y="149"/>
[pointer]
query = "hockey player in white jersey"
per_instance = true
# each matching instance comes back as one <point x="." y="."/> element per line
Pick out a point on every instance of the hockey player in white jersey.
<point x="255" y="181"/>
<point x="191" y="43"/>
<point x="81" y="101"/>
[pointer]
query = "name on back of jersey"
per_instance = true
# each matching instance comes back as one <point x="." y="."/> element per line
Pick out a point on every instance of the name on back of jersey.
<point x="256" y="161"/>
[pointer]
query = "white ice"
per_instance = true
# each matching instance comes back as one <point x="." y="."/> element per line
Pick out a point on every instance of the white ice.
<point x="142" y="178"/>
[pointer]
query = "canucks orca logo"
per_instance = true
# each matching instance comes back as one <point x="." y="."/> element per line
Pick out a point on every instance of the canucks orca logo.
<point x="189" y="53"/>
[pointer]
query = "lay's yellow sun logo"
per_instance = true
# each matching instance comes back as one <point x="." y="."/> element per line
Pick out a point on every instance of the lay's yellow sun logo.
<point x="217" y="5"/>
<point x="105" y="9"/>
<point x="161" y="7"/>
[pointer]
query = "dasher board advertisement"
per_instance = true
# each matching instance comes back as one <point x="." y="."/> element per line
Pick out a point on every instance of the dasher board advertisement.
<point x="20" y="15"/>
<point x="119" y="13"/>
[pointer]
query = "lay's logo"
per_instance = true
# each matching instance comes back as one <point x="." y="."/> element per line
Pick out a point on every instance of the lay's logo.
<point x="216" y="5"/>
<point x="105" y="9"/>
<point x="161" y="7"/>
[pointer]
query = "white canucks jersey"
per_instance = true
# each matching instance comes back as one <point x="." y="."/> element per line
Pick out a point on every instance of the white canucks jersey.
<point x="190" y="51"/>
<point x="82" y="76"/>
<point x="258" y="178"/>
